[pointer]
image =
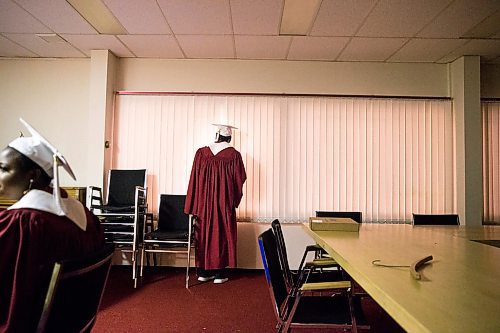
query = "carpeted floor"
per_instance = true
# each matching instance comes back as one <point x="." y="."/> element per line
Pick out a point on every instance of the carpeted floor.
<point x="162" y="304"/>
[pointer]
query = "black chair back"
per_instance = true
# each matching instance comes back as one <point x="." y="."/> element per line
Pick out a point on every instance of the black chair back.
<point x="282" y="253"/>
<point x="121" y="186"/>
<point x="274" y="274"/>
<point x="435" y="219"/>
<point x="75" y="293"/>
<point x="356" y="216"/>
<point x="171" y="216"/>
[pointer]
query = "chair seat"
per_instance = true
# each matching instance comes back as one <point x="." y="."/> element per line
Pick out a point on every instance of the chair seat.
<point x="327" y="275"/>
<point x="119" y="228"/>
<point x="119" y="238"/>
<point x="115" y="209"/>
<point x="167" y="235"/>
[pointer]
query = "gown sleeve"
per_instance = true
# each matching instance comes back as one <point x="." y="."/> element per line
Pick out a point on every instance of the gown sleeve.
<point x="240" y="178"/>
<point x="191" y="195"/>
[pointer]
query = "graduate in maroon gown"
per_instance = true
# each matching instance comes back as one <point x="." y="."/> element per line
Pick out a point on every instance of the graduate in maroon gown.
<point x="214" y="193"/>
<point x="42" y="227"/>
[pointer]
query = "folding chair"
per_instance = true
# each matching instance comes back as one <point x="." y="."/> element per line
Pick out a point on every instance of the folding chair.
<point x="120" y="191"/>
<point x="125" y="229"/>
<point x="174" y="231"/>
<point x="305" y="309"/>
<point x="311" y="271"/>
<point x="75" y="293"/>
<point x="356" y="216"/>
<point x="435" y="219"/>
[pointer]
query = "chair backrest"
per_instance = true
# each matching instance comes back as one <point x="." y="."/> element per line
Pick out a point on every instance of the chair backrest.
<point x="435" y="219"/>
<point x="282" y="253"/>
<point x="171" y="216"/>
<point x="75" y="293"/>
<point x="121" y="186"/>
<point x="356" y="216"/>
<point x="274" y="275"/>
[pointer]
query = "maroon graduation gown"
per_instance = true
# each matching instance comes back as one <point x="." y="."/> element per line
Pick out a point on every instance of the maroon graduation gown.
<point x="31" y="241"/>
<point x="214" y="193"/>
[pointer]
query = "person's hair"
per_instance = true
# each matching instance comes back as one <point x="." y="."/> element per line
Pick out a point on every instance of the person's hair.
<point x="223" y="138"/>
<point x="27" y="164"/>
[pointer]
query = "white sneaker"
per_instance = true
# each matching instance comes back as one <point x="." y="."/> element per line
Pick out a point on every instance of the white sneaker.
<point x="219" y="281"/>
<point x="205" y="278"/>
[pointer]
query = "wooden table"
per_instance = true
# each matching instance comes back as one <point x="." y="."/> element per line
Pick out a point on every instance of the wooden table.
<point x="459" y="290"/>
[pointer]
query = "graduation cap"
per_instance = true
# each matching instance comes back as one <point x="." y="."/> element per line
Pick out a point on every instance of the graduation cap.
<point x="224" y="130"/>
<point x="43" y="153"/>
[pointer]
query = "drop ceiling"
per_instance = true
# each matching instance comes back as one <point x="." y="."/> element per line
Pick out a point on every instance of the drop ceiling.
<point x="430" y="31"/>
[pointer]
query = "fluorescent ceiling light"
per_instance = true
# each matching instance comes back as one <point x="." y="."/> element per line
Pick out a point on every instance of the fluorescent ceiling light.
<point x="51" y="38"/>
<point x="99" y="16"/>
<point x="298" y="16"/>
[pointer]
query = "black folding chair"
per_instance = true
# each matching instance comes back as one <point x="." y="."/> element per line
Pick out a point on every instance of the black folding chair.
<point x="356" y="216"/>
<point x="435" y="219"/>
<point x="317" y="270"/>
<point x="305" y="309"/>
<point x="120" y="191"/>
<point x="75" y="293"/>
<point x="174" y="231"/>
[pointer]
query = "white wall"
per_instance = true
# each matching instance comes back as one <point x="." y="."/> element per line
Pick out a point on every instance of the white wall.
<point x="52" y="95"/>
<point x="296" y="77"/>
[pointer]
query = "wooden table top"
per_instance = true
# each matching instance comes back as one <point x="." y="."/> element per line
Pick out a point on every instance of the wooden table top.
<point x="459" y="290"/>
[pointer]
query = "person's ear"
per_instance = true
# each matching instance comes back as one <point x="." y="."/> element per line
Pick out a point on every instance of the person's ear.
<point x="36" y="175"/>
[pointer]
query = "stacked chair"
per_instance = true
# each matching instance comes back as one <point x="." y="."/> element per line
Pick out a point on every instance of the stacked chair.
<point x="326" y="304"/>
<point x="124" y="214"/>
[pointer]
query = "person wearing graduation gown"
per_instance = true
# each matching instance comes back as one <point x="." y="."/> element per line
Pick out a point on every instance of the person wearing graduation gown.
<point x="44" y="226"/>
<point x="214" y="193"/>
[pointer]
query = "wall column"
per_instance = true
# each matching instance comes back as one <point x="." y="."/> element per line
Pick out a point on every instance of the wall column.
<point x="465" y="91"/>
<point x="102" y="81"/>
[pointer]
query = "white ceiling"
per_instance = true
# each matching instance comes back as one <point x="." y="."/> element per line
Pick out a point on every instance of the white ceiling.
<point x="343" y="30"/>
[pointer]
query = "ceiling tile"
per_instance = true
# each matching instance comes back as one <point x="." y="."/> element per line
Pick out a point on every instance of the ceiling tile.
<point x="86" y="43"/>
<point x="426" y="50"/>
<point x="340" y="17"/>
<point x="14" y="19"/>
<point x="458" y="18"/>
<point x="152" y="46"/>
<point x="197" y="17"/>
<point x="257" y="17"/>
<point x="487" y="49"/>
<point x="195" y="46"/>
<point x="42" y="48"/>
<point x="261" y="47"/>
<point x="58" y="15"/>
<point x="11" y="49"/>
<point x="134" y="14"/>
<point x="371" y="49"/>
<point x="316" y="48"/>
<point x="402" y="18"/>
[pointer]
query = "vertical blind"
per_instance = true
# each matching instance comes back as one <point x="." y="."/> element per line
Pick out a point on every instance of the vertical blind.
<point x="387" y="158"/>
<point x="491" y="157"/>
